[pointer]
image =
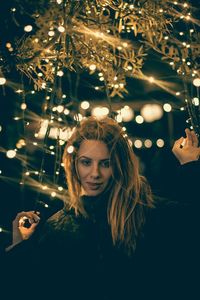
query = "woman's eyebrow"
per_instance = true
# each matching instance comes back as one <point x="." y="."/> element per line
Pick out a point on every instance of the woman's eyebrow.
<point x="86" y="157"/>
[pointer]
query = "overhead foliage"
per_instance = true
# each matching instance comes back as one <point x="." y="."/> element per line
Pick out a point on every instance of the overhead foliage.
<point x="113" y="37"/>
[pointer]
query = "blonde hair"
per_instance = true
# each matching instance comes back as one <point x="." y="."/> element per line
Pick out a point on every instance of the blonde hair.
<point x="129" y="193"/>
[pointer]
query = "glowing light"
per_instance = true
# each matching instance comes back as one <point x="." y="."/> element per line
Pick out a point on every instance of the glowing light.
<point x="21" y="143"/>
<point x="51" y="33"/>
<point x="138" y="144"/>
<point x="196" y="82"/>
<point x="1" y="229"/>
<point x="60" y="188"/>
<point x="92" y="67"/>
<point x="11" y="153"/>
<point x="8" y="45"/>
<point x="59" y="1"/>
<point x="151" y="112"/>
<point x="167" y="107"/>
<point x="118" y="118"/>
<point x="148" y="143"/>
<point x="100" y="111"/>
<point x="43" y="128"/>
<point x="85" y="105"/>
<point x="61" y="29"/>
<point x="23" y="106"/>
<point x="125" y="45"/>
<point x="53" y="194"/>
<point x="139" y="119"/>
<point x="195" y="101"/>
<point x="44" y="187"/>
<point x="127" y="113"/>
<point x="60" y="108"/>
<point x="28" y="28"/>
<point x="178" y="93"/>
<point x="66" y="111"/>
<point x="151" y="79"/>
<point x="2" y="80"/>
<point x="70" y="149"/>
<point x="160" y="143"/>
<point x="60" y="73"/>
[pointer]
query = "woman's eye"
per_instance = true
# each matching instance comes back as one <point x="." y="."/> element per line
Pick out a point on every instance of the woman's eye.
<point x="105" y="164"/>
<point x="85" y="162"/>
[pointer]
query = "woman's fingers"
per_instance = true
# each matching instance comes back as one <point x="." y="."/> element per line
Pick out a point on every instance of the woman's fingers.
<point x="191" y="138"/>
<point x="194" y="139"/>
<point x="33" y="217"/>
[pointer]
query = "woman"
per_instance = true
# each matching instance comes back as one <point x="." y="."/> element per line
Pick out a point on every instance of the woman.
<point x="100" y="245"/>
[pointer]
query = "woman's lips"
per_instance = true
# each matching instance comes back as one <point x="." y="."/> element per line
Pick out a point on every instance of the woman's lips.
<point x="93" y="186"/>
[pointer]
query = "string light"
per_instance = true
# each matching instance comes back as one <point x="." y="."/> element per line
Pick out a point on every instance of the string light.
<point x="11" y="153"/>
<point x="139" y="119"/>
<point x="2" y="80"/>
<point x="167" y="107"/>
<point x="196" y="82"/>
<point x="160" y="143"/>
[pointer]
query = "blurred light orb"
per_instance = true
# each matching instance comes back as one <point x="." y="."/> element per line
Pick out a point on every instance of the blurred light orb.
<point x="160" y="143"/>
<point x="23" y="106"/>
<point x="92" y="67"/>
<point x="70" y="149"/>
<point x="195" y="101"/>
<point x="66" y="111"/>
<point x="127" y="113"/>
<point x="60" y="108"/>
<point x="51" y="33"/>
<point x="2" y="80"/>
<point x="60" y="73"/>
<point x="167" y="107"/>
<point x="151" y="79"/>
<point x="100" y="112"/>
<point x="85" y="104"/>
<point x="151" y="112"/>
<point x="61" y="29"/>
<point x="138" y="144"/>
<point x="148" y="143"/>
<point x="139" y="119"/>
<point x="11" y="153"/>
<point x="118" y="118"/>
<point x="28" y="28"/>
<point x="196" y="82"/>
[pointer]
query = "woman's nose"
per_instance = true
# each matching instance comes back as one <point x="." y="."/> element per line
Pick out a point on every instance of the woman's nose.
<point x="95" y="172"/>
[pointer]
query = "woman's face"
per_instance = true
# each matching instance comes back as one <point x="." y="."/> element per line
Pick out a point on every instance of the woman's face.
<point x="93" y="167"/>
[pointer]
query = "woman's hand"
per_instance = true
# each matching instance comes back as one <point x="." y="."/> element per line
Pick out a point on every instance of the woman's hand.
<point x="186" y="149"/>
<point x="20" y="232"/>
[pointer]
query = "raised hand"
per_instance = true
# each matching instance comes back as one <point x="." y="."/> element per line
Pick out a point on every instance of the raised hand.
<point x="20" y="232"/>
<point x="186" y="149"/>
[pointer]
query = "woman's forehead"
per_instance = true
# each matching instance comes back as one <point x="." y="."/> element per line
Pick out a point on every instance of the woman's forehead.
<point x="94" y="149"/>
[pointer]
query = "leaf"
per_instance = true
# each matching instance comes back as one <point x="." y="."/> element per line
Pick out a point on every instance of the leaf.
<point x="120" y="25"/>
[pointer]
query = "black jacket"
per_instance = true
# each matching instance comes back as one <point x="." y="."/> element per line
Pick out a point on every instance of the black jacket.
<point x="72" y="257"/>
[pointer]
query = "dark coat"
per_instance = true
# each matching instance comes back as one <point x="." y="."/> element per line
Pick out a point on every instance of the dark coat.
<point x="72" y="257"/>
